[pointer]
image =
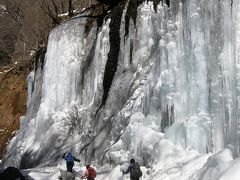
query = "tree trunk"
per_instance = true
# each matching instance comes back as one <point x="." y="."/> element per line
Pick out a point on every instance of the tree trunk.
<point x="70" y="8"/>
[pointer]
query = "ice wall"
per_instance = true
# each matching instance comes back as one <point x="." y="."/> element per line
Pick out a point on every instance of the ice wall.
<point x="70" y="85"/>
<point x="176" y="72"/>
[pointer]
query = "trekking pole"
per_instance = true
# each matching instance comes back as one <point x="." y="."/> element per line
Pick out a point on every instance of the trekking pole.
<point x="80" y="169"/>
<point x="61" y="162"/>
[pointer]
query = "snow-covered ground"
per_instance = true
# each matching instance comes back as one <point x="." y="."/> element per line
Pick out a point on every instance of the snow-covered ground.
<point x="179" y="164"/>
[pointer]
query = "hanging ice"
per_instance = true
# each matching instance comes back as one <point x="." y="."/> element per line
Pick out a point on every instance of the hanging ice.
<point x="130" y="87"/>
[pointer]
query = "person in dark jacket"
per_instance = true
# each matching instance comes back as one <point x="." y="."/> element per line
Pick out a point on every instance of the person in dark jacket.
<point x="134" y="169"/>
<point x="11" y="173"/>
<point x="69" y="158"/>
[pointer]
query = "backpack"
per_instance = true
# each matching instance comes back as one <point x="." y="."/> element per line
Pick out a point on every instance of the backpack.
<point x="136" y="171"/>
<point x="69" y="158"/>
<point x="91" y="173"/>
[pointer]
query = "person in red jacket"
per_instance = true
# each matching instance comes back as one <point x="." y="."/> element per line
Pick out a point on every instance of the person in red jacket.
<point x="90" y="173"/>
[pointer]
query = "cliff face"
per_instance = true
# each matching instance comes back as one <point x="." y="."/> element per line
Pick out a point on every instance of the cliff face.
<point x="13" y="100"/>
<point x="19" y="38"/>
<point x="148" y="68"/>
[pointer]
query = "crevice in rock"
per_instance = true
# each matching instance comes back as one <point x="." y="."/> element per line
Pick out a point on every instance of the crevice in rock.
<point x="99" y="12"/>
<point x="167" y="117"/>
<point x="131" y="51"/>
<point x="167" y="2"/>
<point x="131" y="13"/>
<point x="112" y="62"/>
<point x="40" y="56"/>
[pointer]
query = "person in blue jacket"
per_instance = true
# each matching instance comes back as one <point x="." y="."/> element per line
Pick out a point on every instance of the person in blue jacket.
<point x="69" y="158"/>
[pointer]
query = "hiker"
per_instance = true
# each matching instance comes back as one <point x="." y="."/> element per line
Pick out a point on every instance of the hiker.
<point x="69" y="158"/>
<point x="90" y="173"/>
<point x="11" y="173"/>
<point x="134" y="169"/>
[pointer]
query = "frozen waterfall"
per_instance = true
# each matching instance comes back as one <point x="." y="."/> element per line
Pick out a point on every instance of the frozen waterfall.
<point x="145" y="86"/>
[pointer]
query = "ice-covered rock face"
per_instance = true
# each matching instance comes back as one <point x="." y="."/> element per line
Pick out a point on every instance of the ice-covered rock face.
<point x="112" y="93"/>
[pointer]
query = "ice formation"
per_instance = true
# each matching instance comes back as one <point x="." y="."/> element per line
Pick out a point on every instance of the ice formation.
<point x="166" y="93"/>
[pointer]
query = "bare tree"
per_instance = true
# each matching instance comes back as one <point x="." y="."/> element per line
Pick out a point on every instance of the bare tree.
<point x="70" y="8"/>
<point x="10" y="20"/>
<point x="25" y="24"/>
<point x="49" y="7"/>
<point x="11" y="9"/>
<point x="55" y="8"/>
